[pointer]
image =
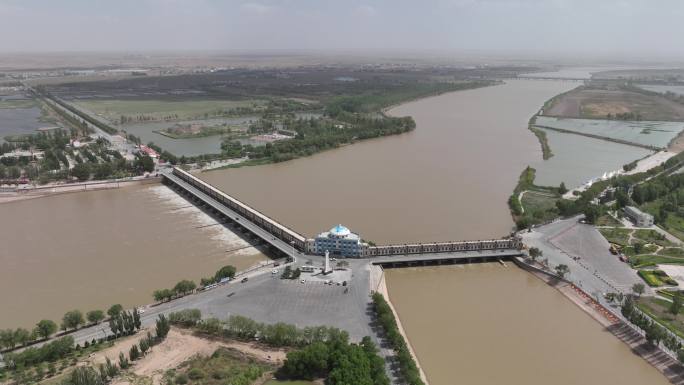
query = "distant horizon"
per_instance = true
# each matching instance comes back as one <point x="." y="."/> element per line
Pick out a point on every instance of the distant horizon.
<point x="568" y="29"/>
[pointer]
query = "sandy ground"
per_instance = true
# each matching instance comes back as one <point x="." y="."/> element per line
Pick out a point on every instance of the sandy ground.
<point x="179" y="346"/>
<point x="651" y="161"/>
<point x="675" y="272"/>
<point x="642" y="165"/>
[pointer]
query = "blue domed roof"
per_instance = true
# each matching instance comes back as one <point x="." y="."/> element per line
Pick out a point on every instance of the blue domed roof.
<point x="340" y="231"/>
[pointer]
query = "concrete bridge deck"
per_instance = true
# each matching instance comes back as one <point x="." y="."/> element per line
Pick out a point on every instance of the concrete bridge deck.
<point x="447" y="258"/>
<point x="195" y="194"/>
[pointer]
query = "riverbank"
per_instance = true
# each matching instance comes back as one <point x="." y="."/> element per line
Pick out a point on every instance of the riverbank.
<point x="21" y="194"/>
<point x="377" y="283"/>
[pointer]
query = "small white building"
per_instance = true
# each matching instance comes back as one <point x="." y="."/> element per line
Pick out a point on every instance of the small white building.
<point x="640" y="218"/>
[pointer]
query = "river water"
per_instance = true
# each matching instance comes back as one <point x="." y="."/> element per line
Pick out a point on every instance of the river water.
<point x="448" y="179"/>
<point x="92" y="249"/>
<point x="488" y="324"/>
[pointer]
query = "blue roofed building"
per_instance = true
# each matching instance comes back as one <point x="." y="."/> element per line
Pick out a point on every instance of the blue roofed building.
<point x="339" y="241"/>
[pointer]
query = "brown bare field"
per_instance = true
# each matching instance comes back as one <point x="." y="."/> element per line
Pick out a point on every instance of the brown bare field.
<point x="594" y="103"/>
<point x="179" y="346"/>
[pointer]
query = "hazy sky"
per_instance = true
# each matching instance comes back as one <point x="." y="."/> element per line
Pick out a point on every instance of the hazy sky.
<point x="582" y="26"/>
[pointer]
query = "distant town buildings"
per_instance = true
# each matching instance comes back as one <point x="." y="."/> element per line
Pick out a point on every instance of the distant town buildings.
<point x="640" y="218"/>
<point x="339" y="241"/>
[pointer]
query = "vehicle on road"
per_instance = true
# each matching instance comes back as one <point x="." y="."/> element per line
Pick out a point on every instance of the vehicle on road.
<point x="275" y="271"/>
<point x="244" y="279"/>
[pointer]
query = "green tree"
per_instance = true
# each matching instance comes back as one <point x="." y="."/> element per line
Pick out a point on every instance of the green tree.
<point x="562" y="189"/>
<point x="676" y="305"/>
<point x="72" y="319"/>
<point x="535" y="253"/>
<point x="95" y="316"/>
<point x="45" y="328"/>
<point x="638" y="246"/>
<point x="103" y="171"/>
<point x="162" y="327"/>
<point x="591" y="213"/>
<point x="84" y="375"/>
<point x="81" y="171"/>
<point x="8" y="338"/>
<point x="638" y="289"/>
<point x="22" y="336"/>
<point x="185" y="286"/>
<point x="562" y="270"/>
<point x="146" y="163"/>
<point x="227" y="271"/>
<point x="114" y="310"/>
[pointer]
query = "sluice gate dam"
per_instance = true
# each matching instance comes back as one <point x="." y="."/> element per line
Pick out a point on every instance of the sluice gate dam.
<point x="284" y="240"/>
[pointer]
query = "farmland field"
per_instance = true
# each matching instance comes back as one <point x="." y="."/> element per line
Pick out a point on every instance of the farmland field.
<point x="596" y="103"/>
<point x="159" y="109"/>
<point x="647" y="133"/>
<point x="661" y="89"/>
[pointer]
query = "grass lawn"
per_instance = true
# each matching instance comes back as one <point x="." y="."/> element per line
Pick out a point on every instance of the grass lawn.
<point x="639" y="261"/>
<point x="278" y="382"/>
<point x="607" y="220"/>
<point x="185" y="109"/>
<point x="617" y="236"/>
<point x="652" y="236"/>
<point x="657" y="309"/>
<point x="540" y="205"/>
<point x="656" y="278"/>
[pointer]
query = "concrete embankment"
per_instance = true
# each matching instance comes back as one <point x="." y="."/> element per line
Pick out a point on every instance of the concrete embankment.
<point x="660" y="360"/>
<point x="377" y="283"/>
<point x="18" y="194"/>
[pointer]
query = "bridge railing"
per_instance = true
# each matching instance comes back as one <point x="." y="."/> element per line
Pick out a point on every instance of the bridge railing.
<point x="442" y="247"/>
<point x="272" y="226"/>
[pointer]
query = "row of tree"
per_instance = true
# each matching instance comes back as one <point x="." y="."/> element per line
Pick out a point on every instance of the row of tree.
<point x="12" y="338"/>
<point x="407" y="365"/>
<point x="180" y="289"/>
<point x="107" y="371"/>
<point x="655" y="334"/>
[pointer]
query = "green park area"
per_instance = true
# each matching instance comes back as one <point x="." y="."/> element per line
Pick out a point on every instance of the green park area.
<point x="664" y="312"/>
<point x="279" y="382"/>
<point x="644" y="247"/>
<point x="531" y="204"/>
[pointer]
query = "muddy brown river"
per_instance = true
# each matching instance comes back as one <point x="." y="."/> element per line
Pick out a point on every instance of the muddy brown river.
<point x="448" y="179"/>
<point x="488" y="324"/>
<point x="93" y="249"/>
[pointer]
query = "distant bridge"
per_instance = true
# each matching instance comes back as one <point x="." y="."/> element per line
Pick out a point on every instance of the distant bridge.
<point x="566" y="79"/>
<point x="286" y="240"/>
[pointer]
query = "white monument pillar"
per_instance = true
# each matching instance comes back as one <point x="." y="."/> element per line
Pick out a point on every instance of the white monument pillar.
<point x="327" y="269"/>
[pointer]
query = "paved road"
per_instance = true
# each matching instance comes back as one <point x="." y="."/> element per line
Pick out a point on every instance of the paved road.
<point x="584" y="250"/>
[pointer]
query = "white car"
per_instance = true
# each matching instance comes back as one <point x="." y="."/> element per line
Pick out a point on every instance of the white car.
<point x="275" y="271"/>
<point x="302" y="281"/>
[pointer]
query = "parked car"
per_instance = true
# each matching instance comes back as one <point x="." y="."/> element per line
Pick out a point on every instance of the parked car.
<point x="244" y="280"/>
